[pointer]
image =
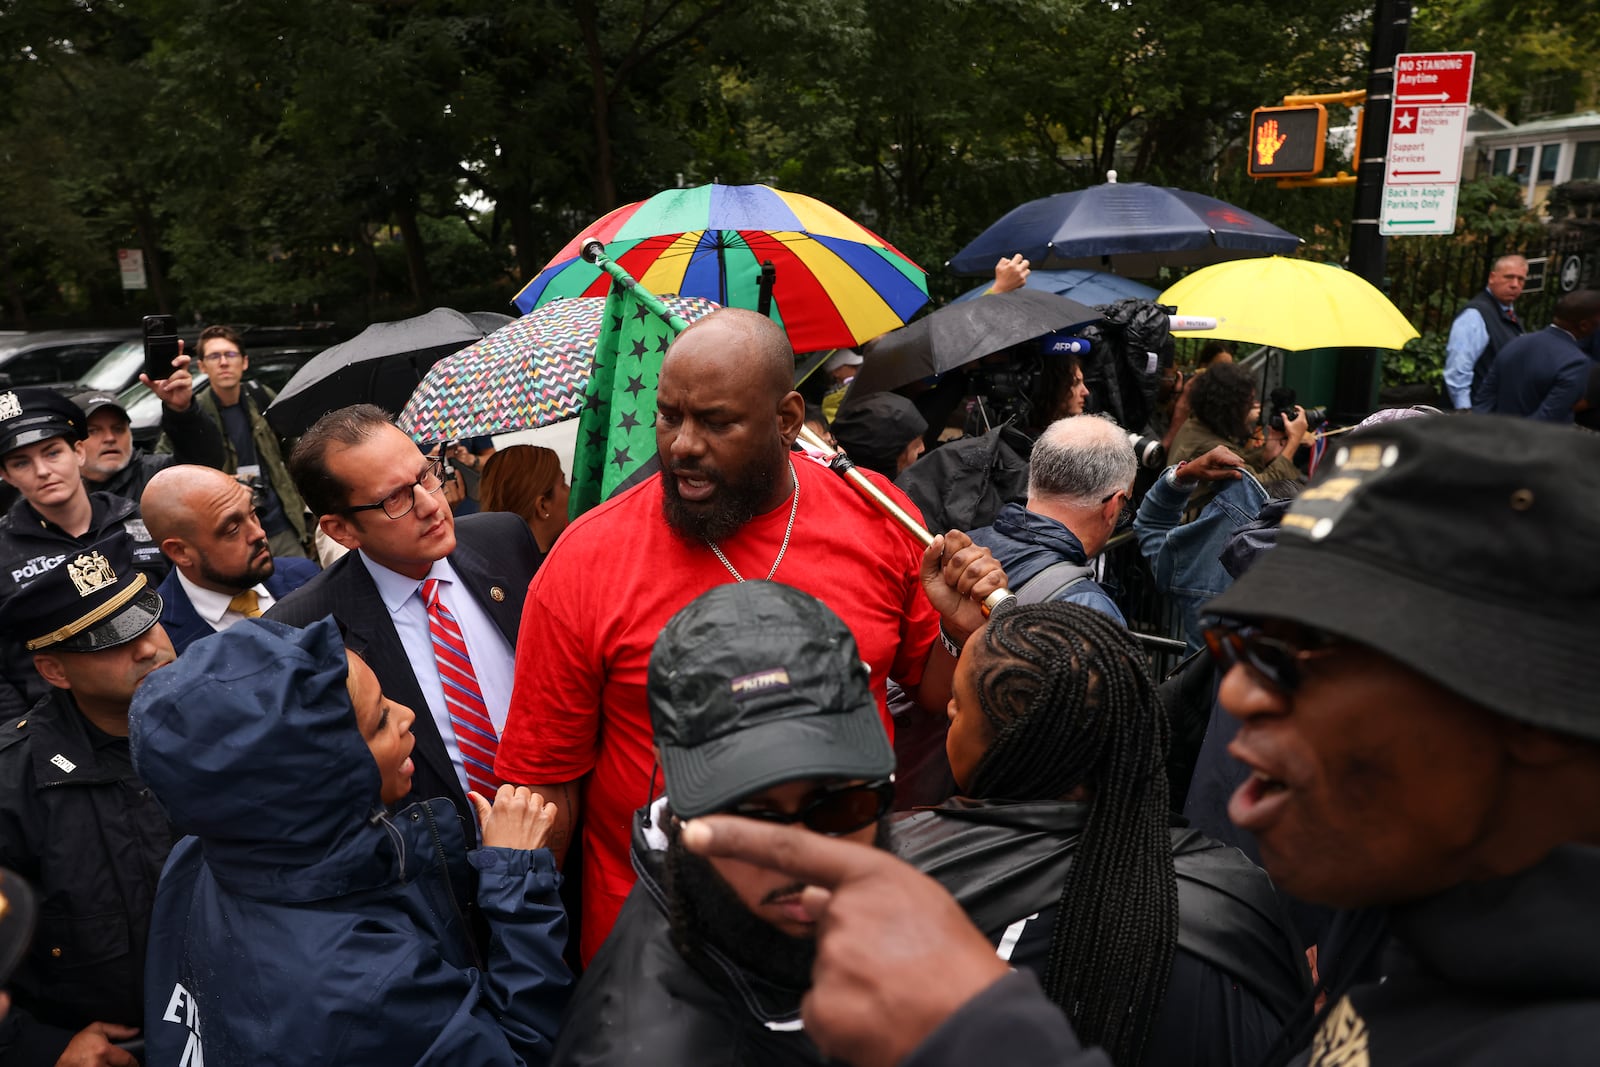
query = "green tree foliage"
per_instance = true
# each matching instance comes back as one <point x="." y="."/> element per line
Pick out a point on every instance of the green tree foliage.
<point x="371" y="158"/>
<point x="1534" y="57"/>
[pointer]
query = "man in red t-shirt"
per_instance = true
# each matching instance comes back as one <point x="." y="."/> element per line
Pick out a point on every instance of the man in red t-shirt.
<point x="729" y="504"/>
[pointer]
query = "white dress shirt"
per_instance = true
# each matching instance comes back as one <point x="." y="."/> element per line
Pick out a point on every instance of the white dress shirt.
<point x="212" y="606"/>
<point x="491" y="654"/>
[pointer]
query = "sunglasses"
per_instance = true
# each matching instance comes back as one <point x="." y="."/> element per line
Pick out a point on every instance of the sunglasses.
<point x="1276" y="660"/>
<point x="835" y="810"/>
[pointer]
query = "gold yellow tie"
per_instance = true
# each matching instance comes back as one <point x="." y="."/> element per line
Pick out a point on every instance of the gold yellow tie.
<point x="246" y="604"/>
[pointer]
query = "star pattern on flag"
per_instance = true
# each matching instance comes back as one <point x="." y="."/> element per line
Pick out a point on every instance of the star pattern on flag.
<point x="617" y="433"/>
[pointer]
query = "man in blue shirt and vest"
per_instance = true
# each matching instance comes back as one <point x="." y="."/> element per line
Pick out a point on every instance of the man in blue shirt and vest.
<point x="1486" y="325"/>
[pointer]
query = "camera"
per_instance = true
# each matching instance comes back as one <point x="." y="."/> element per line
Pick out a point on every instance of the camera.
<point x="1148" y="451"/>
<point x="1006" y="390"/>
<point x="1283" y="405"/>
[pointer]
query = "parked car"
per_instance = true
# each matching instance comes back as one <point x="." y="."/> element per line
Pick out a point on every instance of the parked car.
<point x="45" y="357"/>
<point x="271" y="366"/>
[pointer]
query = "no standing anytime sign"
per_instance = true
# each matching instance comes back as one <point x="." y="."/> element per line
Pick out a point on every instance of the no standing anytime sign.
<point x="1422" y="169"/>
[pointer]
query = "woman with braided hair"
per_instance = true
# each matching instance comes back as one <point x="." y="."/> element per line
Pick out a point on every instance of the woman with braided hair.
<point x="1161" y="945"/>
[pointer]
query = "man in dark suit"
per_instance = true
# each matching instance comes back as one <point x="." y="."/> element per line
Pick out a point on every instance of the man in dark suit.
<point x="1544" y="375"/>
<point x="222" y="567"/>
<point x="433" y="602"/>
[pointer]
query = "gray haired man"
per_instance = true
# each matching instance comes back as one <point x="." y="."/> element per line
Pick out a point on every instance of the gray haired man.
<point x="1080" y="480"/>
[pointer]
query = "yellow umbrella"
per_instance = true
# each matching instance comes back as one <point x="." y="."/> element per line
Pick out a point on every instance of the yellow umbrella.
<point x="1291" y="304"/>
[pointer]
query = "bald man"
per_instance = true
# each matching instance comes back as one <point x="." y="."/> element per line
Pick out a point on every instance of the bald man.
<point x="222" y="567"/>
<point x="730" y="503"/>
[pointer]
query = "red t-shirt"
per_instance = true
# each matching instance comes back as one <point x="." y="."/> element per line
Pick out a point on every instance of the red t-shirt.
<point x="614" y="580"/>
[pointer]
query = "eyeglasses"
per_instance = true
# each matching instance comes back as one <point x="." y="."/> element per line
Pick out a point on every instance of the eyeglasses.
<point x="1275" y="660"/>
<point x="398" y="504"/>
<point x="221" y="357"/>
<point x="836" y="810"/>
<point x="1125" y="512"/>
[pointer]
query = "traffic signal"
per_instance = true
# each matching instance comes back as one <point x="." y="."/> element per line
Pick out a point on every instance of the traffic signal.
<point x="1287" y="142"/>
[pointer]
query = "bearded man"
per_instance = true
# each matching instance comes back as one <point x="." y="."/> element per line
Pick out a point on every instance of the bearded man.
<point x="729" y="504"/>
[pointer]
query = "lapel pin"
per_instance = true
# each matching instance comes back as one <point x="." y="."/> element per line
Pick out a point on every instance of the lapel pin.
<point x="496" y="593"/>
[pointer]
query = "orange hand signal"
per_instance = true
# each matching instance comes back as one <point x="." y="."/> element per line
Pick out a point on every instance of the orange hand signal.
<point x="1268" y="141"/>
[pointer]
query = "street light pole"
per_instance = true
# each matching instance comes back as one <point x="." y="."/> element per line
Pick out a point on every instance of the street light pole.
<point x="1357" y="384"/>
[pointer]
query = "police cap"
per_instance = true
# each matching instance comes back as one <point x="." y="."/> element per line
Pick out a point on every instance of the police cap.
<point x="92" y="600"/>
<point x="28" y="416"/>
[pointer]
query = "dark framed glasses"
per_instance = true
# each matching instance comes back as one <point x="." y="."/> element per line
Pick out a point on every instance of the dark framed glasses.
<point x="834" y="810"/>
<point x="1275" y="660"/>
<point x="398" y="504"/>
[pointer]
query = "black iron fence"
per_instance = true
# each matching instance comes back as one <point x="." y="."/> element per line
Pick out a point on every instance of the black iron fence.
<point x="1431" y="277"/>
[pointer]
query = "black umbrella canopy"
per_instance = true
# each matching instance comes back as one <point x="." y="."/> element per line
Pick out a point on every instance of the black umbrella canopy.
<point x="381" y="365"/>
<point x="958" y="334"/>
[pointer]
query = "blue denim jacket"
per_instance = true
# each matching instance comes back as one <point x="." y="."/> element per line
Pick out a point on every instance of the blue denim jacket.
<point x="1026" y="543"/>
<point x="1184" y="558"/>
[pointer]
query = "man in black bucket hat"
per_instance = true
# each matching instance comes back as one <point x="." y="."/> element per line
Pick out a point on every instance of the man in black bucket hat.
<point x="1413" y="669"/>
<point x="74" y="818"/>
<point x="761" y="706"/>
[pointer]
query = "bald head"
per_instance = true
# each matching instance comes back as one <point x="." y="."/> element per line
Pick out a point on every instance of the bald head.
<point x="170" y="501"/>
<point x="755" y="346"/>
<point x="1579" y="312"/>
<point x="205" y="522"/>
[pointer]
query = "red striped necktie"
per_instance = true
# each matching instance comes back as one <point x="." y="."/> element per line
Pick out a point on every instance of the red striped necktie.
<point x="469" y="715"/>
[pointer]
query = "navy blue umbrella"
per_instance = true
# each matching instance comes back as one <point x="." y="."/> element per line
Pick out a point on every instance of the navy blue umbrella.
<point x="1131" y="229"/>
<point x="1092" y="287"/>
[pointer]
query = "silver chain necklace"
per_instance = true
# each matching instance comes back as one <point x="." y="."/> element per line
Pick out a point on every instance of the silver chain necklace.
<point x="794" y="506"/>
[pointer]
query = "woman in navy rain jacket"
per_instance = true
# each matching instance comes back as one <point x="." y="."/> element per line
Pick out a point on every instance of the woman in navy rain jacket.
<point x="302" y="922"/>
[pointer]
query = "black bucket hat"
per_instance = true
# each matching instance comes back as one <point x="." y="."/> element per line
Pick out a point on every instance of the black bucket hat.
<point x="1462" y="547"/>
<point x="755" y="684"/>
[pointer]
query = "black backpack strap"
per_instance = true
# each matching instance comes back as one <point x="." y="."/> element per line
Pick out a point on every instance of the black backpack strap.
<point x="1052" y="581"/>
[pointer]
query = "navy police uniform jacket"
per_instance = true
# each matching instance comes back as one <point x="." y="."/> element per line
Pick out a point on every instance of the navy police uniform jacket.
<point x="88" y="835"/>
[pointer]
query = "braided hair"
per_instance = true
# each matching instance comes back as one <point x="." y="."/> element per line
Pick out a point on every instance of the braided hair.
<point x="1066" y="693"/>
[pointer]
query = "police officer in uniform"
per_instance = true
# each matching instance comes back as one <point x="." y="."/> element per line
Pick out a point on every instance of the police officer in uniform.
<point x="41" y="456"/>
<point x="75" y="821"/>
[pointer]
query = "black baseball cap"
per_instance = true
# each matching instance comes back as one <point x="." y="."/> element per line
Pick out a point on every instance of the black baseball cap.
<point x="28" y="416"/>
<point x="95" y="399"/>
<point x="755" y="684"/>
<point x="874" y="429"/>
<point x="1464" y="547"/>
<point x="91" y="600"/>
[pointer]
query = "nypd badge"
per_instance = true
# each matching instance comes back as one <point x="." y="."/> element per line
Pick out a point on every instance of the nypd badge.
<point x="90" y="573"/>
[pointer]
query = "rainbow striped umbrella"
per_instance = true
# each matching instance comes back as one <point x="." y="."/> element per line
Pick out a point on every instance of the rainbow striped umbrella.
<point x="836" y="283"/>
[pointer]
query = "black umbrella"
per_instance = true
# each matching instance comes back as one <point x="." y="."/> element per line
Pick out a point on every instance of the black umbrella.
<point x="381" y="365"/>
<point x="960" y="333"/>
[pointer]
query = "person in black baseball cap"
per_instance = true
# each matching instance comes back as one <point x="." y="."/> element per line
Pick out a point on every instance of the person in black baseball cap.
<point x="1412" y="668"/>
<point x="881" y="431"/>
<point x="760" y="704"/>
<point x="74" y="817"/>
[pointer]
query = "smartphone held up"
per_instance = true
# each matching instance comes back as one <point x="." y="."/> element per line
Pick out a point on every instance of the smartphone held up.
<point x="160" y="345"/>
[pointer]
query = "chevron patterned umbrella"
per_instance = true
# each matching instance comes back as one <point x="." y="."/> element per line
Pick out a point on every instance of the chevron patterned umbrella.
<point x="530" y="373"/>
